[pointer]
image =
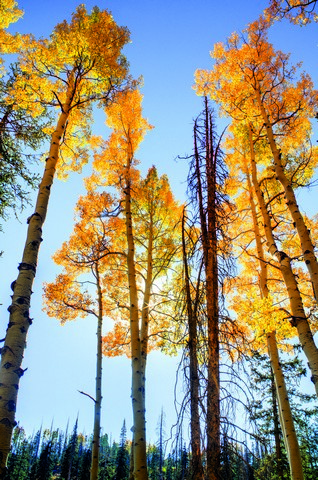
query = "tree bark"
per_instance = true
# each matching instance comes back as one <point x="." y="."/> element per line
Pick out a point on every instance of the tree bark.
<point x="138" y="380"/>
<point x="19" y="322"/>
<point x="98" y="384"/>
<point x="299" y="319"/>
<point x="291" y="202"/>
<point x="196" y="458"/>
<point x="212" y="293"/>
<point x="209" y="244"/>
<point x="286" y="419"/>
<point x="278" y="448"/>
<point x="146" y="298"/>
<point x="287" y="423"/>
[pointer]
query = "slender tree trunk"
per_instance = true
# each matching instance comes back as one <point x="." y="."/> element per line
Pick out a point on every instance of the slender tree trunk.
<point x="19" y="322"/>
<point x="138" y="389"/>
<point x="278" y="448"/>
<point x="131" y="457"/>
<point x="287" y="423"/>
<point x="196" y="458"/>
<point x="299" y="319"/>
<point x="98" y="384"/>
<point x="209" y="243"/>
<point x="212" y="295"/>
<point x="291" y="202"/>
<point x="286" y="419"/>
<point x="146" y="298"/>
<point x="161" y="453"/>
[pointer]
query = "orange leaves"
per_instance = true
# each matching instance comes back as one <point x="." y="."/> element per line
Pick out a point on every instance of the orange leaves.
<point x="124" y="116"/>
<point x="299" y="12"/>
<point x="117" y="341"/>
<point x="65" y="300"/>
<point x="96" y="40"/>
<point x="87" y="262"/>
<point x="94" y="235"/>
<point x="114" y="165"/>
<point x="249" y="75"/>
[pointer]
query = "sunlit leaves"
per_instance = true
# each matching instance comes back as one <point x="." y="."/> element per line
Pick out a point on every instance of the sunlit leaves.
<point x="247" y="67"/>
<point x="9" y="13"/>
<point x="116" y="161"/>
<point x="299" y="12"/>
<point x="65" y="300"/>
<point x="81" y="63"/>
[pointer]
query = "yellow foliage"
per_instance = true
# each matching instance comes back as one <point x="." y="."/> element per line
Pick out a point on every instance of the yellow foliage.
<point x="64" y="300"/>
<point x="9" y="13"/>
<point x="116" y="162"/>
<point x="299" y="12"/>
<point x="248" y="67"/>
<point x="261" y="316"/>
<point x="117" y="341"/>
<point x="79" y="64"/>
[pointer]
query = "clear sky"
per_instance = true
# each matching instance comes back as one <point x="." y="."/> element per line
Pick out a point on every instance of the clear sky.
<point x="170" y="39"/>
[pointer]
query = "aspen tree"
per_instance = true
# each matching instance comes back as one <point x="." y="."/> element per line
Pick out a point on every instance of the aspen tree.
<point x="285" y="415"/>
<point x="277" y="105"/>
<point x="85" y="259"/>
<point x="253" y="84"/>
<point x="81" y="63"/>
<point x="150" y="214"/>
<point x="129" y="128"/>
<point x="299" y="318"/>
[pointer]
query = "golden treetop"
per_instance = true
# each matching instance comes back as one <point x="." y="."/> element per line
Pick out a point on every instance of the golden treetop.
<point x="79" y="64"/>
<point x="116" y="162"/>
<point x="248" y="73"/>
<point x="299" y="12"/>
<point x="86" y="51"/>
<point x="9" y="13"/>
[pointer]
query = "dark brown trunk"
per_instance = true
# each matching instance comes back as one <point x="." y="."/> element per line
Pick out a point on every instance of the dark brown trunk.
<point x="209" y="241"/>
<point x="196" y="460"/>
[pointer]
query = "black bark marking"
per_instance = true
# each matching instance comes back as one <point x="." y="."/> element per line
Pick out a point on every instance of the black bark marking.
<point x="22" y="300"/>
<point x="20" y="372"/>
<point x="35" y="214"/>
<point x="26" y="266"/>
<point x="11" y="406"/>
<point x="7" y="423"/>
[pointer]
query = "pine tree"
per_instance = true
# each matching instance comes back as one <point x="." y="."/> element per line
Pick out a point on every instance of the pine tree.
<point x="68" y="457"/>
<point x="122" y="458"/>
<point x="45" y="464"/>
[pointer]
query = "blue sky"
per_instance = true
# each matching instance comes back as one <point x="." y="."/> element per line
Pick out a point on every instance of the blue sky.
<point x="170" y="39"/>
